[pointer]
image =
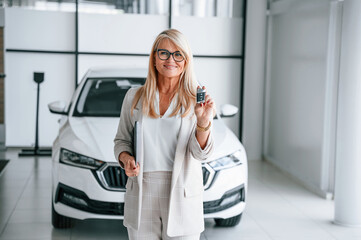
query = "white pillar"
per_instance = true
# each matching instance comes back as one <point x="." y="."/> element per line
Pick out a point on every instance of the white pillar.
<point x="254" y="76"/>
<point x="348" y="150"/>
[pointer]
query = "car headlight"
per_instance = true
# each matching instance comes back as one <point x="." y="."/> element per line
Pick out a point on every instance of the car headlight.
<point x="78" y="160"/>
<point x="227" y="161"/>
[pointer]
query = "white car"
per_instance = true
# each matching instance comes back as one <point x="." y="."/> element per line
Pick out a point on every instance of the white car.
<point x="87" y="180"/>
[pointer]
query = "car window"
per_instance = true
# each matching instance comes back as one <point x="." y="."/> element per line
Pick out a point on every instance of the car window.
<point x="103" y="97"/>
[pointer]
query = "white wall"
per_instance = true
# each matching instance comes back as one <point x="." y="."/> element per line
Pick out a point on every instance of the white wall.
<point x="21" y="90"/>
<point x="40" y="30"/>
<point x="123" y="33"/>
<point x="222" y="77"/>
<point x="296" y="90"/>
<point x="48" y="30"/>
<point x="212" y="36"/>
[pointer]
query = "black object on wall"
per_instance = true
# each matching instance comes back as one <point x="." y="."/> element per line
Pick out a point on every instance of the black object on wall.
<point x="242" y="69"/>
<point x="170" y="15"/>
<point x="36" y="151"/>
<point x="76" y="42"/>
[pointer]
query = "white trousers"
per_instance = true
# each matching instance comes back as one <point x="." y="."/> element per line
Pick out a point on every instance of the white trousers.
<point x="154" y="215"/>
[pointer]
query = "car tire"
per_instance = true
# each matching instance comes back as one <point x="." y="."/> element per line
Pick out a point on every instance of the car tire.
<point x="228" y="222"/>
<point x="60" y="221"/>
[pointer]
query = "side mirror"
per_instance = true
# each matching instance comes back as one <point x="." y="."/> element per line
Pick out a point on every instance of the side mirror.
<point x="58" y="107"/>
<point x="228" y="110"/>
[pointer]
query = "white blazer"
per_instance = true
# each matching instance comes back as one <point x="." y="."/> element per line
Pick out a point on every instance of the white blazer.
<point x="185" y="215"/>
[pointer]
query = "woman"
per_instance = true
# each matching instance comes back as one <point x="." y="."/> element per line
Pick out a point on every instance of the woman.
<point x="164" y="191"/>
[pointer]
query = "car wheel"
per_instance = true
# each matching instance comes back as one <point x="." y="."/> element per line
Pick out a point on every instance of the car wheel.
<point x="60" y="221"/>
<point x="228" y="222"/>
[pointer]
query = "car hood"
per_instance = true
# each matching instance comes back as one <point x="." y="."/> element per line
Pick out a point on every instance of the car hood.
<point x="93" y="137"/>
<point x="225" y="140"/>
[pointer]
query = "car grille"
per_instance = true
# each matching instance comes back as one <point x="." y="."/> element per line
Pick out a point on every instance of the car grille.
<point x="113" y="177"/>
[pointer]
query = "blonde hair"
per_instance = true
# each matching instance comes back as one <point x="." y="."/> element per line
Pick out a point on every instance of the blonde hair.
<point x="187" y="83"/>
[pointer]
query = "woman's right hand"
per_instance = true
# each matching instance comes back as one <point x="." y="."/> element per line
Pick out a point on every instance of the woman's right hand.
<point x="131" y="170"/>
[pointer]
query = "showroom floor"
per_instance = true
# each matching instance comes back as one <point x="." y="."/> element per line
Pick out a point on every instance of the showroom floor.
<point x="277" y="208"/>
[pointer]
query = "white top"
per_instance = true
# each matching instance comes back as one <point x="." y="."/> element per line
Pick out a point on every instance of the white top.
<point x="160" y="139"/>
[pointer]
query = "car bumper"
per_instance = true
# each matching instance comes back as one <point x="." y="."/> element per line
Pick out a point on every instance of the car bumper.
<point x="226" y="196"/>
<point x="78" y="194"/>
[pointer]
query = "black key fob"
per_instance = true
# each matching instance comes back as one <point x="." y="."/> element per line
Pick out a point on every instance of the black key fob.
<point x="201" y="95"/>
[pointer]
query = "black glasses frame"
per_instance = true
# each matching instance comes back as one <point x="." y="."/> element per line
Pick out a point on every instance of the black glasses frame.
<point x="170" y="53"/>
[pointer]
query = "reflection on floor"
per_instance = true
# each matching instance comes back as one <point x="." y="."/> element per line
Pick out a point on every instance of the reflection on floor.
<point x="277" y="208"/>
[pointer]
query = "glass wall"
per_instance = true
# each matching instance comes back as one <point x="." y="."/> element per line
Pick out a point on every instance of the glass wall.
<point x="208" y="8"/>
<point x="157" y="7"/>
<point x="55" y="5"/>
<point x="197" y="8"/>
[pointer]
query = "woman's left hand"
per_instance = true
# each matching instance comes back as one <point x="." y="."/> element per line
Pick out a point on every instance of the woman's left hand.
<point x="204" y="111"/>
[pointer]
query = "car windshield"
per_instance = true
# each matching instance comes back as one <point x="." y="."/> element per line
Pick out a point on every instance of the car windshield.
<point x="103" y="97"/>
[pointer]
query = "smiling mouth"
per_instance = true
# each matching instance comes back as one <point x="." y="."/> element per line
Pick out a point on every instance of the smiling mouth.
<point x="170" y="66"/>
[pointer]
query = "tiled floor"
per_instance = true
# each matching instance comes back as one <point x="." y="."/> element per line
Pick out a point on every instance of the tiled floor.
<point x="277" y="208"/>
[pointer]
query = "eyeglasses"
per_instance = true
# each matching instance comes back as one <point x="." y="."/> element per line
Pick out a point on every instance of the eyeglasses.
<point x="164" y="54"/>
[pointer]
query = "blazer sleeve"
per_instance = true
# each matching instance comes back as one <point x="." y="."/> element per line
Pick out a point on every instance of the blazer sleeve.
<point x="123" y="141"/>
<point x="196" y="150"/>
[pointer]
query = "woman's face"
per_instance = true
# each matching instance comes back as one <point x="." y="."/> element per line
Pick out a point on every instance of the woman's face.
<point x="168" y="68"/>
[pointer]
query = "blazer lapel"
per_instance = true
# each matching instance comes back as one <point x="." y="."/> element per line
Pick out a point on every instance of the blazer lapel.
<point x="184" y="133"/>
